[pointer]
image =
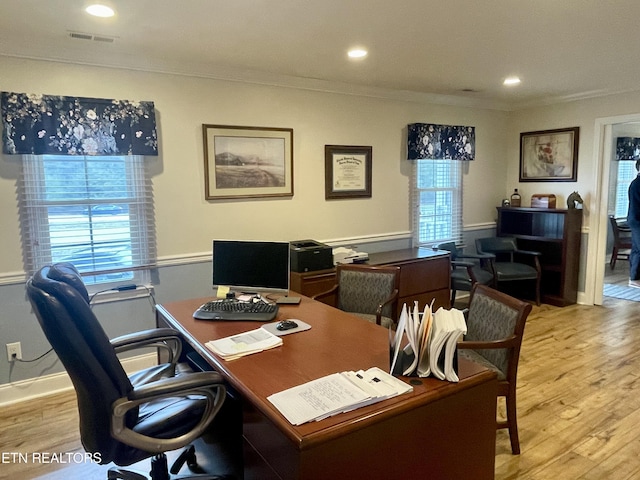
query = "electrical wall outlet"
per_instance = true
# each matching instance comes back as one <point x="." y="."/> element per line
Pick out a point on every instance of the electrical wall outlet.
<point x="14" y="351"/>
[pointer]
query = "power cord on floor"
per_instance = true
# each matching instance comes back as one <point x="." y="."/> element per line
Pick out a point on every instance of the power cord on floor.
<point x="120" y="288"/>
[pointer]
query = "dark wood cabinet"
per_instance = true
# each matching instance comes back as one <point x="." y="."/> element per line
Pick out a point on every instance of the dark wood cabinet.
<point x="425" y="275"/>
<point x="556" y="234"/>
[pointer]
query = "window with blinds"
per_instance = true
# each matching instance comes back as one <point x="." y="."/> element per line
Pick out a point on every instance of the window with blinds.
<point x="437" y="194"/>
<point x="626" y="173"/>
<point x="93" y="211"/>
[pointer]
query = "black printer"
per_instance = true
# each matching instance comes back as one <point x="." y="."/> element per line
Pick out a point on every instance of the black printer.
<point x="309" y="255"/>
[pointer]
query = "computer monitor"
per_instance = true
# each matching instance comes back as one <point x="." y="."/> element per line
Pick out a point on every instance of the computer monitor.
<point x="251" y="266"/>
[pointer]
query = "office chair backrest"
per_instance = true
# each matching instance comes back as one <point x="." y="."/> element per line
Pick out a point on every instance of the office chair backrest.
<point x="61" y="304"/>
<point x="492" y="316"/>
<point x="618" y="238"/>
<point x="364" y="288"/>
<point x="496" y="245"/>
<point x="450" y="247"/>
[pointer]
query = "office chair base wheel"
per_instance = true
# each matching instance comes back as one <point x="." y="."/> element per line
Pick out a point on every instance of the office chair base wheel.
<point x="160" y="471"/>
<point x="116" y="473"/>
<point x="187" y="456"/>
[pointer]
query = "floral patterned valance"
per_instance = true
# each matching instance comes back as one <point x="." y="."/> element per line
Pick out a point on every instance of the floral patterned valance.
<point x="55" y="125"/>
<point x="440" y="142"/>
<point x="628" y="148"/>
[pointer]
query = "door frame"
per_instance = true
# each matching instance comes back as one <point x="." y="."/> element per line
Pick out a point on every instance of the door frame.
<point x="603" y="149"/>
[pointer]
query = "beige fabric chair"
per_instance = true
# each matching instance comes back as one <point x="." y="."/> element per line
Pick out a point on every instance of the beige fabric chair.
<point x="370" y="292"/>
<point x="495" y="325"/>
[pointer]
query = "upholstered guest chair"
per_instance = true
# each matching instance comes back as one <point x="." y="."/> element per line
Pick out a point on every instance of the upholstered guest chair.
<point x="508" y="263"/>
<point x="621" y="241"/>
<point x="369" y="292"/>
<point x="123" y="419"/>
<point x="465" y="273"/>
<point x="495" y="325"/>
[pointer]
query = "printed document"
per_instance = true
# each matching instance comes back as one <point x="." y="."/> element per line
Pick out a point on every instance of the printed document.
<point x="242" y="344"/>
<point x="336" y="393"/>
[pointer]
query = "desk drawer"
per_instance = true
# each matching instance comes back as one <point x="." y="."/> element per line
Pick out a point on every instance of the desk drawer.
<point x="424" y="276"/>
<point x="312" y="283"/>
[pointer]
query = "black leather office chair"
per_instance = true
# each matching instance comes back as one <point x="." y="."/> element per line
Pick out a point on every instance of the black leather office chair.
<point x="508" y="263"/>
<point x="122" y="420"/>
<point x="465" y="273"/>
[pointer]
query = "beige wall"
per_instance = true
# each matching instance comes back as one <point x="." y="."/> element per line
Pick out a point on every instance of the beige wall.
<point x="583" y="114"/>
<point x="591" y="115"/>
<point x="186" y="222"/>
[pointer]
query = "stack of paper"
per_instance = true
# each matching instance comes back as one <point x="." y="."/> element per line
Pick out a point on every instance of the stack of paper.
<point x="236" y="346"/>
<point x="448" y="327"/>
<point x="430" y="342"/>
<point x="336" y="393"/>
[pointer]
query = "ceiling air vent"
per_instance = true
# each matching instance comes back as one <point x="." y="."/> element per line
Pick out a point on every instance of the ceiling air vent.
<point x="97" y="38"/>
<point x="90" y="36"/>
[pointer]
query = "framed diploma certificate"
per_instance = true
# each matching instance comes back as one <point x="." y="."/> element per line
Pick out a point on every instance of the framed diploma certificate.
<point x="347" y="171"/>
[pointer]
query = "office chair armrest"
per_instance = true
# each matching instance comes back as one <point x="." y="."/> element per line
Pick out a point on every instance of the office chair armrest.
<point x="458" y="263"/>
<point x="486" y="258"/>
<point x="175" y="385"/>
<point x="478" y="256"/>
<point x="392" y="298"/>
<point x="207" y="384"/>
<point x="536" y="257"/>
<point x="492" y="344"/>
<point x="488" y="263"/>
<point x="164" y="338"/>
<point x="528" y="252"/>
<point x="469" y="267"/>
<point x="321" y="295"/>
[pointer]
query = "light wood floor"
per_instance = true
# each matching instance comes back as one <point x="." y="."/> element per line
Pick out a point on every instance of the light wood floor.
<point x="619" y="275"/>
<point x="578" y="404"/>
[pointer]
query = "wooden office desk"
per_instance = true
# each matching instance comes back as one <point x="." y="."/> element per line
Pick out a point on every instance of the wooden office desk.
<point x="425" y="275"/>
<point x="441" y="430"/>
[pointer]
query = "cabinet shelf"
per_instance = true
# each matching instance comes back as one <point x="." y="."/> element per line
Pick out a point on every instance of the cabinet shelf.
<point x="555" y="233"/>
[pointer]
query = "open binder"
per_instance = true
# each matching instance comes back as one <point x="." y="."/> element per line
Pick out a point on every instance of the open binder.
<point x="425" y="343"/>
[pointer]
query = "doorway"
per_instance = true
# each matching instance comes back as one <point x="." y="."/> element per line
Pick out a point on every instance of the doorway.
<point x="605" y="134"/>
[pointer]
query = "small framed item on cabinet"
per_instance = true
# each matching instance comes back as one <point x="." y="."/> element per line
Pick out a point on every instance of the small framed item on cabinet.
<point x="543" y="200"/>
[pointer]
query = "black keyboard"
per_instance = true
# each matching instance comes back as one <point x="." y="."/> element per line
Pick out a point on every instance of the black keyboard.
<point x="237" y="310"/>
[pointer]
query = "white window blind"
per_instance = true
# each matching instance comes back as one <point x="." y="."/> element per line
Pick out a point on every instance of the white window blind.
<point x="93" y="211"/>
<point x="437" y="201"/>
<point x="626" y="173"/>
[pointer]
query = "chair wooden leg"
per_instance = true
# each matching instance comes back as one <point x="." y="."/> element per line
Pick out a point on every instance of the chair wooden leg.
<point x="538" y="291"/>
<point x="453" y="297"/>
<point x="512" y="422"/>
<point x="614" y="257"/>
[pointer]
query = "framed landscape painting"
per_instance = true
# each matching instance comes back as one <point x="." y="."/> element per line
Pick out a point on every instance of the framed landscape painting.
<point x="549" y="155"/>
<point x="247" y="162"/>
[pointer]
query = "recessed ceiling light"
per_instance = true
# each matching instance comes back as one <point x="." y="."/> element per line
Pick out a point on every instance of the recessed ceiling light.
<point x="511" y="81"/>
<point x="357" y="53"/>
<point x="99" y="10"/>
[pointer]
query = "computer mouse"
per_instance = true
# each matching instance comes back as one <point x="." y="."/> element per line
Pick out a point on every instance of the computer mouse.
<point x="286" y="325"/>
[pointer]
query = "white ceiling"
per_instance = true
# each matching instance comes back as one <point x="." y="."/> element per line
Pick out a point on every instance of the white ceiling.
<point x="562" y="49"/>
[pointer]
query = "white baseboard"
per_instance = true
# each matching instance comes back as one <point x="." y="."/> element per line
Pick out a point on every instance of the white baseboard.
<point x="59" y="382"/>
